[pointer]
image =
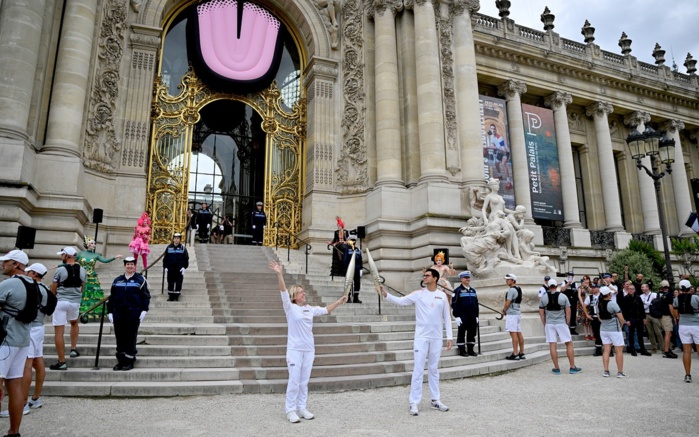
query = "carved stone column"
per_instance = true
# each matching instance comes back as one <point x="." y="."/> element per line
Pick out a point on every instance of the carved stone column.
<point x="649" y="206"/>
<point x="680" y="184"/>
<point x="144" y="43"/>
<point x="429" y="94"/>
<point x="405" y="30"/>
<point x="21" y="22"/>
<point x="466" y="84"/>
<point x="388" y="141"/>
<point x="70" y="79"/>
<point x="610" y="194"/>
<point x="511" y="90"/>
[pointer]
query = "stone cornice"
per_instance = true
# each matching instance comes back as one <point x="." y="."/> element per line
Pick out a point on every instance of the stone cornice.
<point x="585" y="71"/>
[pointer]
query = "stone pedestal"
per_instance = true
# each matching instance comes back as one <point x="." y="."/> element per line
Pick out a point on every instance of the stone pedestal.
<point x="580" y="237"/>
<point x="622" y="239"/>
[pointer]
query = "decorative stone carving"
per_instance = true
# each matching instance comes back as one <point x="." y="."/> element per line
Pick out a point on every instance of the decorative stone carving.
<point x="558" y="99"/>
<point x="352" y="167"/>
<point x="504" y="8"/>
<point x="498" y="237"/>
<point x="575" y="122"/>
<point x="101" y="143"/>
<point x="691" y="64"/>
<point x="445" y="31"/>
<point x="136" y="5"/>
<point x="672" y="125"/>
<point x="547" y="18"/>
<point x="588" y="32"/>
<point x="625" y="44"/>
<point x="138" y="40"/>
<point x="614" y="130"/>
<point x="328" y="13"/>
<point x="509" y="88"/>
<point x="458" y="7"/>
<point x="599" y="109"/>
<point x="659" y="54"/>
<point x="392" y="6"/>
<point x="635" y="118"/>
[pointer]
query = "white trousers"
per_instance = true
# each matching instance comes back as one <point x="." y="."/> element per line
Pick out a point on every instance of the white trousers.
<point x="430" y="349"/>
<point x="299" y="364"/>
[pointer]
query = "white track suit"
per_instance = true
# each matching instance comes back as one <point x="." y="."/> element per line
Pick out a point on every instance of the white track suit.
<point x="431" y="311"/>
<point x="300" y="351"/>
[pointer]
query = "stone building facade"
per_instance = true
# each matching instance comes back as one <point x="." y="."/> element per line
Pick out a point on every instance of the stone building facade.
<point x="387" y="131"/>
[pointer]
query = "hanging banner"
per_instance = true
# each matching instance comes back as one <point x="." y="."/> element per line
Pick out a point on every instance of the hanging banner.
<point x="542" y="162"/>
<point x="496" y="146"/>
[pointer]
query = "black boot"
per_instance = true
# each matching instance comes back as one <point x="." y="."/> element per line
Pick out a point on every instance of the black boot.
<point x="356" y="298"/>
<point x="598" y="352"/>
<point x="462" y="351"/>
<point x="471" y="352"/>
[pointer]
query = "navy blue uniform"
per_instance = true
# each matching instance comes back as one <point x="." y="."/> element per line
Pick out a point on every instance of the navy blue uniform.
<point x="176" y="258"/>
<point x="129" y="297"/>
<point x="204" y="219"/>
<point x="259" y="221"/>
<point x="464" y="304"/>
<point x="357" y="268"/>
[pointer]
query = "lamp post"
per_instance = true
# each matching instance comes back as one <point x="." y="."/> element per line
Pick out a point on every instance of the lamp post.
<point x="657" y="147"/>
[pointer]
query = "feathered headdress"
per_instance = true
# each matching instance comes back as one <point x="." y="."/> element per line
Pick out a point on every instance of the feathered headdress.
<point x="88" y="240"/>
<point x="340" y="223"/>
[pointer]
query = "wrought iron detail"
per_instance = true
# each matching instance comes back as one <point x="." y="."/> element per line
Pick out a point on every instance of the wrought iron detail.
<point x="174" y="119"/>
<point x="602" y="239"/>
<point x="556" y="236"/>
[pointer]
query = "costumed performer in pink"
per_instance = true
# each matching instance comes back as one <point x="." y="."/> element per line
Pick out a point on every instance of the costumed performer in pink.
<point x="141" y="238"/>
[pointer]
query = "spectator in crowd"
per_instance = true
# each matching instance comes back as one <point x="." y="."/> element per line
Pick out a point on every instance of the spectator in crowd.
<point x="570" y="289"/>
<point x="635" y="317"/>
<point x="228" y="230"/>
<point x="590" y="309"/>
<point x="667" y="320"/>
<point x="652" y="323"/>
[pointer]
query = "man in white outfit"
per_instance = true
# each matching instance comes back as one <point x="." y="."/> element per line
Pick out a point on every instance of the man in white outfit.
<point x="431" y="311"/>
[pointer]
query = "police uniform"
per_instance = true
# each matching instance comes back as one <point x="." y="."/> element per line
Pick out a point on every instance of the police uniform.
<point x="176" y="258"/>
<point x="204" y="219"/>
<point x="464" y="304"/>
<point x="349" y="251"/>
<point x="129" y="298"/>
<point x="259" y="221"/>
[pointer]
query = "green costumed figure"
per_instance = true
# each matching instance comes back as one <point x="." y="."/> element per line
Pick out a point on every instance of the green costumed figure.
<point x="92" y="293"/>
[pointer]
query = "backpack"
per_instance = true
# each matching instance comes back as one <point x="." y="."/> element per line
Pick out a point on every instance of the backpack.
<point x="73" y="280"/>
<point x="31" y="306"/>
<point x="603" y="308"/>
<point x="518" y="299"/>
<point x="684" y="304"/>
<point x="553" y="304"/>
<point x="51" y="302"/>
<point x="655" y="309"/>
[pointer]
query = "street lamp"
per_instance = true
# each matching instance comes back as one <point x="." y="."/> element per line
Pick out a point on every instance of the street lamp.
<point x="657" y="147"/>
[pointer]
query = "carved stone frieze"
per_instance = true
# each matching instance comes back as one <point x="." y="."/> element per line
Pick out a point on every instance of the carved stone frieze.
<point x="101" y="143"/>
<point x="635" y="118"/>
<point x="575" y="122"/>
<point x="599" y="109"/>
<point x="352" y="166"/>
<point x="445" y="31"/>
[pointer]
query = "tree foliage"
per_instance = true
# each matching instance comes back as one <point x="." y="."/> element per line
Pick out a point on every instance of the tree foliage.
<point x="655" y="257"/>
<point x="638" y="262"/>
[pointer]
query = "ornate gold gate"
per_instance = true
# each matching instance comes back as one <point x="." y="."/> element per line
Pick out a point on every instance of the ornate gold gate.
<point x="174" y="118"/>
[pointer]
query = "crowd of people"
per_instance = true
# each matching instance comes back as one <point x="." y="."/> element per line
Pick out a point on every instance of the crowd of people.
<point x="25" y="302"/>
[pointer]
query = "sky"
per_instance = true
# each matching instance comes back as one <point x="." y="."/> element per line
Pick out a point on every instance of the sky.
<point x="671" y="23"/>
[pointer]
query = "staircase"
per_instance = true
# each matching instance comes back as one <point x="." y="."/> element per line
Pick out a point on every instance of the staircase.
<point x="227" y="334"/>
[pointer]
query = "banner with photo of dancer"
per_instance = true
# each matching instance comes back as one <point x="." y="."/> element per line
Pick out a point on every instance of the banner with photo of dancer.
<point x="542" y="161"/>
<point x="496" y="146"/>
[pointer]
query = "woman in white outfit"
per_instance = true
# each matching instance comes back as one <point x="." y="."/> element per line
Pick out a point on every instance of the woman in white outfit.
<point x="300" y="347"/>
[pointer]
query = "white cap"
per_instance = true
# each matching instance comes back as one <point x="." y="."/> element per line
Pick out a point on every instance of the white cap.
<point x="685" y="284"/>
<point x="604" y="290"/>
<point x="16" y="255"/>
<point x="352" y="237"/>
<point x="129" y="259"/>
<point x="511" y="276"/>
<point x="552" y="283"/>
<point x="664" y="283"/>
<point x="38" y="268"/>
<point x="70" y="251"/>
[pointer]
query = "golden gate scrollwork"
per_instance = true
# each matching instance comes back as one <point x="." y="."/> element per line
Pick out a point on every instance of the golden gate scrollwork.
<point x="173" y="121"/>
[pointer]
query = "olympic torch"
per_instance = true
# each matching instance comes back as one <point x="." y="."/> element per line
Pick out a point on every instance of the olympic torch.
<point x="349" y="276"/>
<point x="374" y="272"/>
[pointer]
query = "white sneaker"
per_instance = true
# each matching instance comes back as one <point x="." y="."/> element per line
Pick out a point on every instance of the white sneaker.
<point x="6" y="413"/>
<point x="305" y="414"/>
<point x="438" y="405"/>
<point x="413" y="409"/>
<point x="34" y="403"/>
<point x="293" y="417"/>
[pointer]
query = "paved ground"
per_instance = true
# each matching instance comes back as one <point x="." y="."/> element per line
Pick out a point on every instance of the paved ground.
<point x="526" y="402"/>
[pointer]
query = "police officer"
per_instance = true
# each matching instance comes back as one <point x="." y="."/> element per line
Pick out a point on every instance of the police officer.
<point x="175" y="262"/>
<point x="259" y="222"/>
<point x="351" y="250"/>
<point x="464" y="305"/>
<point x="204" y="219"/>
<point x="127" y="307"/>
